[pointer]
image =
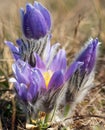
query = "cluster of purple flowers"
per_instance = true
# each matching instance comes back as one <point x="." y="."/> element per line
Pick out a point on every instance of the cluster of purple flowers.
<point x="41" y="71"/>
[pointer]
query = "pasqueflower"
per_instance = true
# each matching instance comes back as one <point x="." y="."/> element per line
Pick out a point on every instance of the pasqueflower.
<point x="36" y="21"/>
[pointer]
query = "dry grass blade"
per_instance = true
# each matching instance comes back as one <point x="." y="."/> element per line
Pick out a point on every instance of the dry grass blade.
<point x="1" y="125"/>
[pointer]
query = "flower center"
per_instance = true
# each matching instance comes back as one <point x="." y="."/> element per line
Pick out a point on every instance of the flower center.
<point x="47" y="76"/>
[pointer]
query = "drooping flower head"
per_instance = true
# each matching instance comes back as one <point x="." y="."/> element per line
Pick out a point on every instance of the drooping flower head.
<point x="36" y="21"/>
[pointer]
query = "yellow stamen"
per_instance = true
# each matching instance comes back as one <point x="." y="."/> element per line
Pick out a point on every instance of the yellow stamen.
<point x="47" y="76"/>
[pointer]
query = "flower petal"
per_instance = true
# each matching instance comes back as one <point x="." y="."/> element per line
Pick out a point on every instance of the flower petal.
<point x="44" y="12"/>
<point x="53" y="52"/>
<point x="14" y="49"/>
<point x="71" y="69"/>
<point x="21" y="90"/>
<point x="34" y="24"/>
<point x="93" y="55"/>
<point x="88" y="56"/>
<point x="56" y="80"/>
<point x="47" y="50"/>
<point x="21" y="71"/>
<point x="85" y="56"/>
<point x="22" y="47"/>
<point x="59" y="61"/>
<point x="39" y="63"/>
<point x="32" y="91"/>
<point x="38" y="78"/>
<point x="19" y="42"/>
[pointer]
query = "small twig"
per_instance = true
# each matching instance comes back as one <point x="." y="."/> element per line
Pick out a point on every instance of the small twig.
<point x="99" y="86"/>
<point x="3" y="60"/>
<point x="4" y="78"/>
<point x="14" y="113"/>
<point x="3" y="90"/>
<point x="80" y="17"/>
<point x="4" y="73"/>
<point x="1" y="125"/>
<point x="84" y="116"/>
<point x="97" y="6"/>
<point x="21" y="128"/>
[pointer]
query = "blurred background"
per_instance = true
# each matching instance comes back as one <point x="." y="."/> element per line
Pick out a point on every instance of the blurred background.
<point x="73" y="23"/>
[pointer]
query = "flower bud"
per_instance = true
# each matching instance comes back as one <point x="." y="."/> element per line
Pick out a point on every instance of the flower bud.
<point x="36" y="21"/>
<point x="89" y="56"/>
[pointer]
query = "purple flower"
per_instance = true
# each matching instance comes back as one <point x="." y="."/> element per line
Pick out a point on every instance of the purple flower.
<point x="36" y="24"/>
<point x="55" y="73"/>
<point x="21" y="51"/>
<point x="88" y="56"/>
<point x="40" y="85"/>
<point x="36" y="21"/>
<point x="25" y="49"/>
<point x="41" y="71"/>
<point x="53" y="66"/>
<point x="43" y="82"/>
<point x="26" y="88"/>
<point x="14" y="50"/>
<point x="81" y="81"/>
